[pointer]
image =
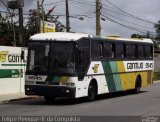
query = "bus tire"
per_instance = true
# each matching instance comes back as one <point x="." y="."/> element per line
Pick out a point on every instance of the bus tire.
<point x="92" y="92"/>
<point x="137" y="85"/>
<point x="49" y="99"/>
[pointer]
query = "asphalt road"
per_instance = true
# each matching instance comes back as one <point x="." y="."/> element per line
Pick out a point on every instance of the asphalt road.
<point x="117" y="104"/>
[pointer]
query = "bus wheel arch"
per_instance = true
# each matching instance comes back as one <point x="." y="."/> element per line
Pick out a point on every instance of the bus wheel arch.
<point x="92" y="90"/>
<point x="138" y="84"/>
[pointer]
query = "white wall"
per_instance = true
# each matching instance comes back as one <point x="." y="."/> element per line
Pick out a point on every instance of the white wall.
<point x="12" y="70"/>
<point x="9" y="85"/>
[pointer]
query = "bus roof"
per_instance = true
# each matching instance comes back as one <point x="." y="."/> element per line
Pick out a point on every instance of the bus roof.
<point x="64" y="36"/>
<point x="136" y="40"/>
<point x="118" y="38"/>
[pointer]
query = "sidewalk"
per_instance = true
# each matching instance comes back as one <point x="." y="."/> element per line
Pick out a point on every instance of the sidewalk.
<point x="156" y="81"/>
<point x="13" y="96"/>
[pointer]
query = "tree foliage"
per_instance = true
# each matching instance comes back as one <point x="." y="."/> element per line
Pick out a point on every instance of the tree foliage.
<point x="147" y="35"/>
<point x="6" y="31"/>
<point x="30" y="28"/>
<point x="157" y="27"/>
<point x="157" y="38"/>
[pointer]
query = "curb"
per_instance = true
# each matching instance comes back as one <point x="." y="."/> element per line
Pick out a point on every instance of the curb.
<point x="15" y="99"/>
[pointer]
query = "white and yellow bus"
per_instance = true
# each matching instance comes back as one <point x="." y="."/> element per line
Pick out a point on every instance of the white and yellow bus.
<point x="77" y="65"/>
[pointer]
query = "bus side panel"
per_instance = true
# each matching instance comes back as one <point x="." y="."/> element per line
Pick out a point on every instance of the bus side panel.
<point x="117" y="81"/>
<point x="96" y="71"/>
<point x="113" y="80"/>
<point x="109" y="78"/>
<point x="127" y="79"/>
<point x="144" y="76"/>
<point x="116" y="77"/>
<point x="130" y="80"/>
<point x="120" y="66"/>
<point x="102" y="84"/>
<point x="149" y="77"/>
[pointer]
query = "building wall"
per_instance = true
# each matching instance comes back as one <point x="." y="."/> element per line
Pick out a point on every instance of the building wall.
<point x="12" y="70"/>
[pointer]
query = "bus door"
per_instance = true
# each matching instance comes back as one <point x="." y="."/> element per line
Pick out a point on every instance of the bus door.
<point x="83" y="57"/>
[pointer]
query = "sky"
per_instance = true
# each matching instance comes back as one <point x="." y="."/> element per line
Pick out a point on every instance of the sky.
<point x="122" y="17"/>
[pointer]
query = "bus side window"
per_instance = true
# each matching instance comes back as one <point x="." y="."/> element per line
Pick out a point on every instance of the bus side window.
<point x="119" y="50"/>
<point x="140" y="51"/>
<point x="113" y="50"/>
<point x="107" y="50"/>
<point x="148" y="51"/>
<point x="97" y="50"/>
<point x="151" y="51"/>
<point x="124" y="50"/>
<point x="100" y="45"/>
<point x="131" y="51"/>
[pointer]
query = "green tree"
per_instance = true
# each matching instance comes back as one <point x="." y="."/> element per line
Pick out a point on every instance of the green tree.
<point x="157" y="38"/>
<point x="147" y="35"/>
<point x="31" y="26"/>
<point x="6" y="31"/>
<point x="157" y="27"/>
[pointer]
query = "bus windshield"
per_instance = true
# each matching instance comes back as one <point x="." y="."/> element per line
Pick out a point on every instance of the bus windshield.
<point x="53" y="58"/>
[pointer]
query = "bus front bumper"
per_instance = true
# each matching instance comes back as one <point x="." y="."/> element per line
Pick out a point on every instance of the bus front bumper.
<point x="56" y="91"/>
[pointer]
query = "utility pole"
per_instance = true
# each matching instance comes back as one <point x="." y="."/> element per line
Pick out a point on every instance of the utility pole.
<point x="98" y="24"/>
<point x="42" y="19"/>
<point x="21" y="34"/>
<point x="42" y="16"/>
<point x="18" y="4"/>
<point x="39" y="20"/>
<point x="67" y="18"/>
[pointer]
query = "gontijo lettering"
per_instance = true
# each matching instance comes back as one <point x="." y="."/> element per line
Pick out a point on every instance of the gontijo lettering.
<point x="14" y="58"/>
<point x="139" y="65"/>
<point x="6" y="57"/>
<point x="134" y="65"/>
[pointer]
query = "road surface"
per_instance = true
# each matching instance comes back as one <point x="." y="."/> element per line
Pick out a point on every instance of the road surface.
<point x="117" y="104"/>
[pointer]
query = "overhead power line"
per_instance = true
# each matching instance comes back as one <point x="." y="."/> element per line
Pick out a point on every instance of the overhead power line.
<point x="72" y="1"/>
<point x="84" y="3"/>
<point x="133" y="23"/>
<point x="129" y="27"/>
<point x="135" y="17"/>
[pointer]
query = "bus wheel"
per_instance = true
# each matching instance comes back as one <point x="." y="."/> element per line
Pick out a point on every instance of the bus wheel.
<point x="137" y="85"/>
<point x="92" y="91"/>
<point x="49" y="99"/>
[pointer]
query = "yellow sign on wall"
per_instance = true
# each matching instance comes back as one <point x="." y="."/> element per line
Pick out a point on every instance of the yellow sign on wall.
<point x="48" y="27"/>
